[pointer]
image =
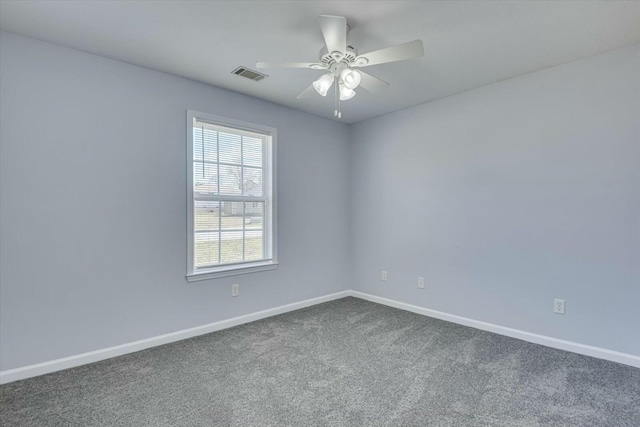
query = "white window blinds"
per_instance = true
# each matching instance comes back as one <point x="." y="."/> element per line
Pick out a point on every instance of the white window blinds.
<point x="231" y="196"/>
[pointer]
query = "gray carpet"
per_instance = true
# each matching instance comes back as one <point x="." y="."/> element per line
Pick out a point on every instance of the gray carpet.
<point x="344" y="363"/>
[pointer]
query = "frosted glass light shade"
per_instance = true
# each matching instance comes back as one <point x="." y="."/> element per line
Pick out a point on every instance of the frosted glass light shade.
<point x="323" y="84"/>
<point x="346" y="93"/>
<point x="350" y="78"/>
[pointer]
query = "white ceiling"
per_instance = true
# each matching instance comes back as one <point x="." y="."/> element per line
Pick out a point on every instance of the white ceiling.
<point x="467" y="44"/>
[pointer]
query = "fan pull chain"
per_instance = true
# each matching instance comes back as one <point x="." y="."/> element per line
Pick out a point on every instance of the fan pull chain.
<point x="335" y="100"/>
<point x="339" y="101"/>
<point x="337" y="112"/>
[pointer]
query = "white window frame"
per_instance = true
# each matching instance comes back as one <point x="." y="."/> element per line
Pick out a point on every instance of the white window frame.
<point x="270" y="193"/>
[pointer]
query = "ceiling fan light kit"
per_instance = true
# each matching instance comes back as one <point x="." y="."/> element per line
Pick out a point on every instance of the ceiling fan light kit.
<point x="323" y="84"/>
<point x="346" y="93"/>
<point x="339" y="59"/>
<point x="350" y="78"/>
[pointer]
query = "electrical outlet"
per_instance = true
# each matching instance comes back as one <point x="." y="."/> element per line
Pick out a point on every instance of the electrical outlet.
<point x="421" y="282"/>
<point x="384" y="276"/>
<point x="235" y="290"/>
<point x="558" y="306"/>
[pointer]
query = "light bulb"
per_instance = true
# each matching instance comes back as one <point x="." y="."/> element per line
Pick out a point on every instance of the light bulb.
<point x="346" y="93"/>
<point x="350" y="78"/>
<point x="323" y="84"/>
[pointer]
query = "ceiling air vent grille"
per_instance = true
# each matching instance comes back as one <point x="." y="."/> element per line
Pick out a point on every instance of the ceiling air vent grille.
<point x="250" y="74"/>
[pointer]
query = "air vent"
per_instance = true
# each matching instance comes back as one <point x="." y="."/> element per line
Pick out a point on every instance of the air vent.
<point x="250" y="74"/>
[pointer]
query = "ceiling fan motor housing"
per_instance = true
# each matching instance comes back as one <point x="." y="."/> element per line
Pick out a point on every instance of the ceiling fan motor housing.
<point x="329" y="58"/>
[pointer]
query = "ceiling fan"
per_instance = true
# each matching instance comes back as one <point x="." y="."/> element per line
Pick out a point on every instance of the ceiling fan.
<point x="340" y="60"/>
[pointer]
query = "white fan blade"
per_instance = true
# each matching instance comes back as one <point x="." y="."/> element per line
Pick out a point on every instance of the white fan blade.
<point x="307" y="92"/>
<point x="399" y="52"/>
<point x="372" y="84"/>
<point x="334" y="30"/>
<point x="310" y="65"/>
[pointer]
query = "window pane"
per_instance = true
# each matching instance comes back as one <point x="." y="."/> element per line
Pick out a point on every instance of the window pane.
<point x="230" y="180"/>
<point x="205" y="178"/>
<point x="205" y="144"/>
<point x="206" y="215"/>
<point x="230" y="148"/>
<point x="254" y="215"/>
<point x="253" y="250"/>
<point x="252" y="178"/>
<point x="206" y="249"/>
<point x="252" y="151"/>
<point x="231" y="247"/>
<point x="232" y="218"/>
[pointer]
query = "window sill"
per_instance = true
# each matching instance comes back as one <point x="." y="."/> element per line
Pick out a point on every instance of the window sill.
<point x="231" y="271"/>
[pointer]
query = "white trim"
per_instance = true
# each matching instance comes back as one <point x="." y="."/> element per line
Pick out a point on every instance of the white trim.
<point x="233" y="270"/>
<point x="574" y="347"/>
<point x="119" y="350"/>
<point x="270" y="228"/>
<point x="107" y="353"/>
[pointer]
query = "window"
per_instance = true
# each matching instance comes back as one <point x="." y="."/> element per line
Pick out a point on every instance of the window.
<point x="231" y="197"/>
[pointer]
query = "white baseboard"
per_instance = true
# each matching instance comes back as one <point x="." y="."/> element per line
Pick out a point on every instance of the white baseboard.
<point x="119" y="350"/>
<point x="587" y="350"/>
<point x="107" y="353"/>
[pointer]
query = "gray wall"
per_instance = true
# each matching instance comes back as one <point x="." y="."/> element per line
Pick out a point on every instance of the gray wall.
<point x="503" y="198"/>
<point x="93" y="204"/>
<point x="507" y="197"/>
